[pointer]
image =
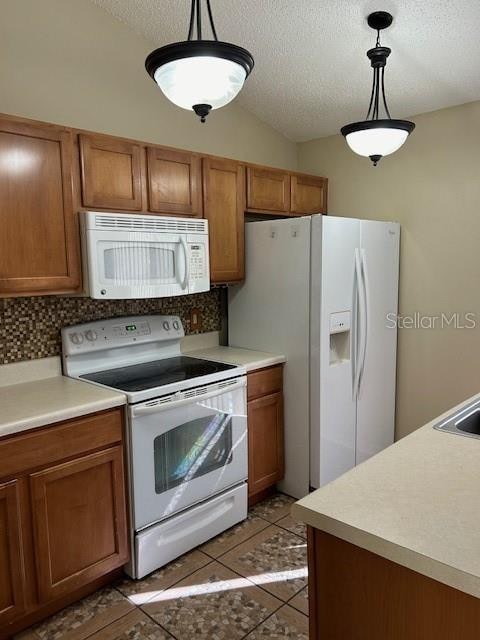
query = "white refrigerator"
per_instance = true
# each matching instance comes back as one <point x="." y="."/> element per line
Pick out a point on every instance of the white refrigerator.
<point x="323" y="291"/>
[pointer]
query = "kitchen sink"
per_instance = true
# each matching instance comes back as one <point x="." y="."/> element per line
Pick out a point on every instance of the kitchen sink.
<point x="463" y="423"/>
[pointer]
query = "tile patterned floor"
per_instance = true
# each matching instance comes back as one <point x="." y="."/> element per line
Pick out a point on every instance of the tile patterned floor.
<point x="247" y="583"/>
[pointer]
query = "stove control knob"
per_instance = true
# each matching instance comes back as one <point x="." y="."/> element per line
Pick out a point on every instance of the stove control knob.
<point x="76" y="338"/>
<point x="91" y="335"/>
<point x="166" y="326"/>
<point x="176" y="325"/>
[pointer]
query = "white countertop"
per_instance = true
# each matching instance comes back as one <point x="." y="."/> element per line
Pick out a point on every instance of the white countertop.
<point x="31" y="403"/>
<point x="251" y="360"/>
<point x="42" y="402"/>
<point x="417" y="503"/>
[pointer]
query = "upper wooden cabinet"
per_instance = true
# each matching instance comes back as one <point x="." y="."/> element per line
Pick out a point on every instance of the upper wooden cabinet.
<point x="224" y="206"/>
<point x="39" y="250"/>
<point x="112" y="173"/>
<point x="268" y="190"/>
<point x="174" y="182"/>
<point x="48" y="173"/>
<point x="308" y="194"/>
<point x="12" y="572"/>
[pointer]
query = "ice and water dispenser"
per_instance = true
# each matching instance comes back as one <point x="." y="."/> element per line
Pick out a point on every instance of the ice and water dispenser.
<point x="340" y="337"/>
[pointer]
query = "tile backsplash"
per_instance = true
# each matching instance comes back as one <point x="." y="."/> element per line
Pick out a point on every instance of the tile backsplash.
<point x="30" y="327"/>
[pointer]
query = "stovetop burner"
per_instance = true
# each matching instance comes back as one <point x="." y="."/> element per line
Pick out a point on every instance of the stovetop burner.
<point x="158" y="373"/>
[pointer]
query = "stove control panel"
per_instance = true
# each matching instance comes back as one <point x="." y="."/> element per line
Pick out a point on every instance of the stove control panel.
<point x="120" y="332"/>
<point x="132" y="330"/>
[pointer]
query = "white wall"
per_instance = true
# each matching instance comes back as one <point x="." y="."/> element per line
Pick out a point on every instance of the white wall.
<point x="71" y="63"/>
<point x="432" y="186"/>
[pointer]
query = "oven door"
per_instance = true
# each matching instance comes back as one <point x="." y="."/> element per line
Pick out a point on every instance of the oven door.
<point x="187" y="447"/>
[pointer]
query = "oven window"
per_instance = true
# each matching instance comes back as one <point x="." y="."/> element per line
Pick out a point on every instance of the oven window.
<point x="192" y="450"/>
<point x="139" y="262"/>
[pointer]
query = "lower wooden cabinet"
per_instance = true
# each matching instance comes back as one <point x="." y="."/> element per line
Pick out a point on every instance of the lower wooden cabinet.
<point x="79" y="521"/>
<point x="265" y="431"/>
<point x="355" y="594"/>
<point x="63" y="523"/>
<point x="12" y="570"/>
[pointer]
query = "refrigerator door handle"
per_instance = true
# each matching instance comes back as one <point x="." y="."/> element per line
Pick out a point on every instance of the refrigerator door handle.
<point x="354" y="328"/>
<point x="359" y="348"/>
<point x="366" y="298"/>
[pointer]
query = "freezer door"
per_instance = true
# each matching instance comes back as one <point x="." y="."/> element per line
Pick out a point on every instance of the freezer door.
<point x="335" y="243"/>
<point x="270" y="312"/>
<point x="380" y="244"/>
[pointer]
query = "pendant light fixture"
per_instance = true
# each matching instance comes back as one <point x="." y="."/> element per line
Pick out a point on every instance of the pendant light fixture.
<point x="200" y="74"/>
<point x="376" y="137"/>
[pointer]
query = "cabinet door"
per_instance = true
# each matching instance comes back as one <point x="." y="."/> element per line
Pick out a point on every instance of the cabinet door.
<point x="112" y="173"/>
<point x="79" y="521"/>
<point x="12" y="573"/>
<point x="309" y="194"/>
<point x="39" y="250"/>
<point x="174" y="182"/>
<point x="268" y="190"/>
<point x="224" y="205"/>
<point x="265" y="442"/>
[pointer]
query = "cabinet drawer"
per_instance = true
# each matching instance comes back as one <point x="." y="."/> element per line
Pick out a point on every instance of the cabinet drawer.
<point x="265" y="381"/>
<point x="41" y="447"/>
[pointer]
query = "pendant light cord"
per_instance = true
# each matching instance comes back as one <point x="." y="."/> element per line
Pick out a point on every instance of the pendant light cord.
<point x="383" y="95"/>
<point x="196" y="17"/>
<point x="372" y="96"/>
<point x="212" y="24"/>
<point x="199" y="21"/>
<point x="192" y="18"/>
<point x="377" y="86"/>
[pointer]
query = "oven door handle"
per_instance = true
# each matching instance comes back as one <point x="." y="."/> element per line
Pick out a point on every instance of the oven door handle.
<point x="148" y="409"/>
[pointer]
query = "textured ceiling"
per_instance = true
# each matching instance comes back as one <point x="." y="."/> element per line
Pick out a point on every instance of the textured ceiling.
<point x="311" y="74"/>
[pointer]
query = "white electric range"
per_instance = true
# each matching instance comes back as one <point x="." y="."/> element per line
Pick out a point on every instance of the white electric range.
<point x="186" y="431"/>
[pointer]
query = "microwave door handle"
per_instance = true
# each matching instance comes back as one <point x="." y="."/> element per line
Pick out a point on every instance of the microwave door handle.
<point x="156" y="408"/>
<point x="184" y="282"/>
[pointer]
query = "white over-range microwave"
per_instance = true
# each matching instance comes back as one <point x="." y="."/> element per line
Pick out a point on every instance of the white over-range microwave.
<point x="143" y="256"/>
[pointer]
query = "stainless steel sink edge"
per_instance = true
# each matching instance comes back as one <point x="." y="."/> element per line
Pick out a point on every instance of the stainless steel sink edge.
<point x="449" y="425"/>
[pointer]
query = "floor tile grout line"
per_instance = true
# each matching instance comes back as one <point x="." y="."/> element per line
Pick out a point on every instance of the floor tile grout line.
<point x="109" y="623"/>
<point x="282" y="603"/>
<point x="259" y="585"/>
<point x="263" y="621"/>
<point x="138" y="607"/>
<point x="238" y="543"/>
<point x="158" y="624"/>
<point x="271" y="524"/>
<point x="290" y="531"/>
<point x="210" y="560"/>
